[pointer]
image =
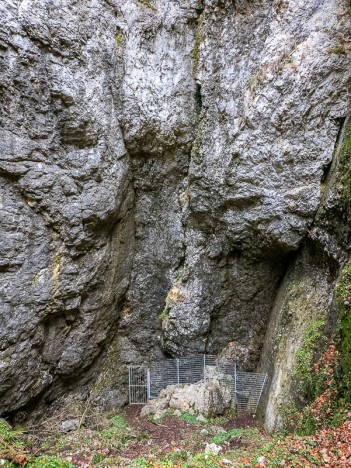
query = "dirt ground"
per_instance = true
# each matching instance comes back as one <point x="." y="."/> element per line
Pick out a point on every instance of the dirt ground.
<point x="129" y="440"/>
<point x="174" y="433"/>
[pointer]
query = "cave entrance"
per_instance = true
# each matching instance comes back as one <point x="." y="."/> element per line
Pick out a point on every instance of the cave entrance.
<point x="145" y="383"/>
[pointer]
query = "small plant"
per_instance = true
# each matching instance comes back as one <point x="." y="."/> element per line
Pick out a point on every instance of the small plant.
<point x="223" y="436"/>
<point x="57" y="261"/>
<point x="179" y="276"/>
<point x="189" y="418"/>
<point x="11" y="443"/>
<point x="97" y="458"/>
<point x="118" y="434"/>
<point x="163" y="315"/>
<point x="340" y="49"/>
<point x="50" y="462"/>
<point x="120" y="40"/>
<point x="174" y="458"/>
<point x="201" y="459"/>
<point x="7" y="434"/>
<point x="141" y="462"/>
<point x="36" y="279"/>
<point x="119" y="422"/>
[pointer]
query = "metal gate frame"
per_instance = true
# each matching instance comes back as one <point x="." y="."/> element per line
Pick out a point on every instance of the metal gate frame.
<point x="146" y="383"/>
<point x="139" y="385"/>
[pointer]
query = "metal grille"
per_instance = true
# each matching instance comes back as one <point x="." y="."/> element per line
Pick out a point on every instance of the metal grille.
<point x="249" y="387"/>
<point x="139" y="385"/>
<point x="147" y="383"/>
<point x="185" y="370"/>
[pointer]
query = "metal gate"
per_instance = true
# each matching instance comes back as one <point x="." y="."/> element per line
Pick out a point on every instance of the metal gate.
<point x="139" y="385"/>
<point x="146" y="383"/>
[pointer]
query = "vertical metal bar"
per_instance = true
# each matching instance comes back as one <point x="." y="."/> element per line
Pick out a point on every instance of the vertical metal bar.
<point x="177" y="364"/>
<point x="148" y="384"/>
<point x="259" y="397"/>
<point x="236" y="400"/>
<point x="129" y="383"/>
<point x="204" y="365"/>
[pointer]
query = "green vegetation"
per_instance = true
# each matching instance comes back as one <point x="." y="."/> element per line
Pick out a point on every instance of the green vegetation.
<point x="50" y="462"/>
<point x="222" y="436"/>
<point x="277" y="454"/>
<point x="164" y="314"/>
<point x="117" y="429"/>
<point x="201" y="459"/>
<point x="7" y="435"/>
<point x="36" y="279"/>
<point x="120" y="40"/>
<point x="13" y="445"/>
<point x="179" y="459"/>
<point x="307" y="382"/>
<point x="57" y="450"/>
<point x="325" y="408"/>
<point x="251" y="439"/>
<point x="301" y="423"/>
<point x="189" y="418"/>
<point x="343" y="295"/>
<point x="179" y="276"/>
<point x="171" y="459"/>
<point x="57" y="261"/>
<point x="340" y="49"/>
<point x="192" y="418"/>
<point x="346" y="169"/>
<point x="196" y="149"/>
<point x="113" y="446"/>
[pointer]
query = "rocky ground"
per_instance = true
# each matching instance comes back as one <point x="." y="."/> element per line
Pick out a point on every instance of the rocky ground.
<point x="128" y="440"/>
<point x="131" y="440"/>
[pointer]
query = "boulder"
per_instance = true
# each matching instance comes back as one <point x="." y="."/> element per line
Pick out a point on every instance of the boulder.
<point x="213" y="449"/>
<point x="207" y="397"/>
<point x="69" y="425"/>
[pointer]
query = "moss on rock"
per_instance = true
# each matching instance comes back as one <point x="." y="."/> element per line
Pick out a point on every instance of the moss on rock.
<point x="343" y="295"/>
<point x="345" y="169"/>
<point x="305" y="358"/>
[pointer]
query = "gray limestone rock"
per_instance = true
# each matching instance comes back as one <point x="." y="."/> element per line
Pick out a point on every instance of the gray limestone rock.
<point x="206" y="398"/>
<point x="161" y="165"/>
<point x="69" y="425"/>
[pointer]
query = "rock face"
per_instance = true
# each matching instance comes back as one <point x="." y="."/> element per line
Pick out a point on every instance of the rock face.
<point x="162" y="170"/>
<point x="207" y="398"/>
<point x="305" y="299"/>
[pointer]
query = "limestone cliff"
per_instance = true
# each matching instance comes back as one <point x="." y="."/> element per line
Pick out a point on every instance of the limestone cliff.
<point x="163" y="172"/>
